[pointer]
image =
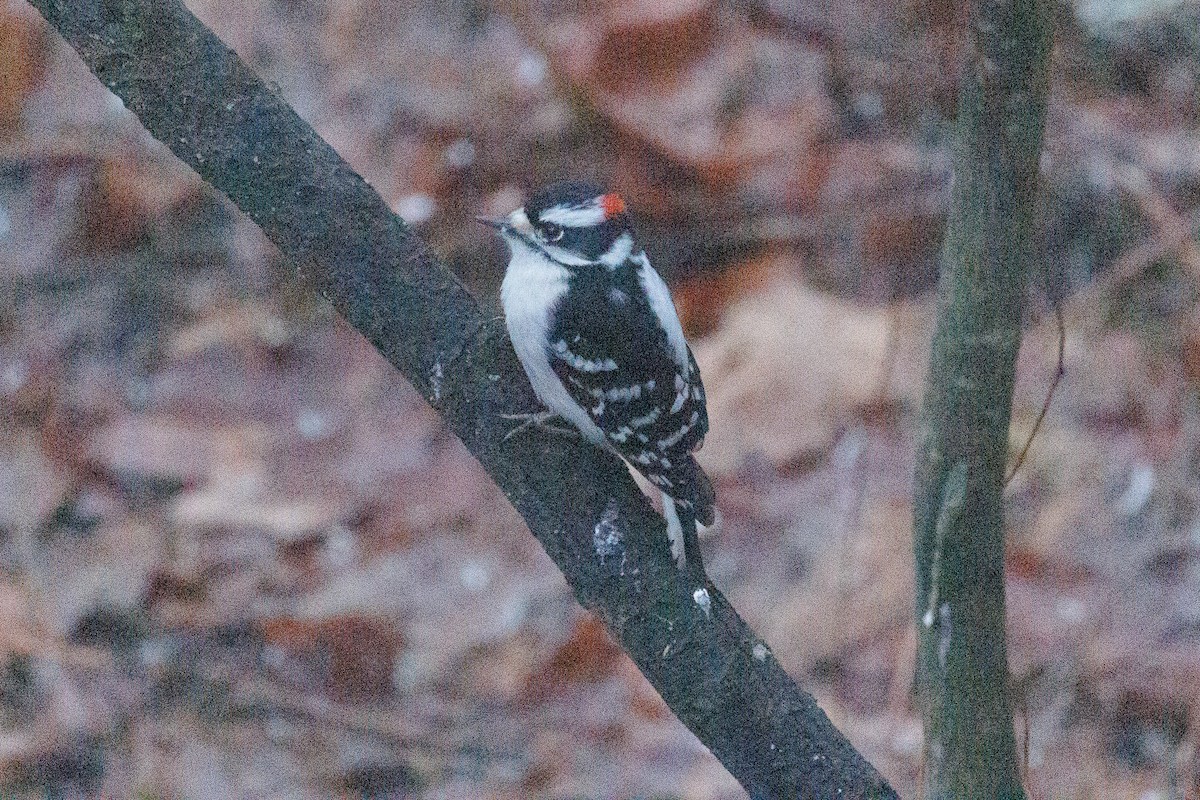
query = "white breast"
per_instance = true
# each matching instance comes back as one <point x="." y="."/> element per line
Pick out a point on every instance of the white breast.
<point x="532" y="287"/>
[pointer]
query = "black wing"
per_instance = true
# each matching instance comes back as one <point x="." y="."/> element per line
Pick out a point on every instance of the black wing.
<point x="616" y="361"/>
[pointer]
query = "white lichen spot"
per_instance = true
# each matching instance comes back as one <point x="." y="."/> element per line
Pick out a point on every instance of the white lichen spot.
<point x="947" y="630"/>
<point x="435" y="381"/>
<point x="849" y="447"/>
<point x="760" y="653"/>
<point x="1069" y="609"/>
<point x="700" y="597"/>
<point x="607" y="537"/>
<point x="927" y="620"/>
<point x="666" y="651"/>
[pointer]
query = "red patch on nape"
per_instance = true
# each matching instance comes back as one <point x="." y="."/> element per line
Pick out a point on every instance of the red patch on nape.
<point x="613" y="204"/>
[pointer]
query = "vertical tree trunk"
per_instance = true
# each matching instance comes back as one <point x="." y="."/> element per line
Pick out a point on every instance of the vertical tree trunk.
<point x="962" y="670"/>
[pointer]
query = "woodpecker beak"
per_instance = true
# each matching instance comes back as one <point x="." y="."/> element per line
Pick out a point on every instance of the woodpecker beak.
<point x="514" y="227"/>
<point x="498" y="224"/>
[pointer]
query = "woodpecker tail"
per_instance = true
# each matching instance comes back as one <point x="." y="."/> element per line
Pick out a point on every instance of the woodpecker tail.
<point x="685" y="514"/>
<point x="681" y="531"/>
<point x="705" y="499"/>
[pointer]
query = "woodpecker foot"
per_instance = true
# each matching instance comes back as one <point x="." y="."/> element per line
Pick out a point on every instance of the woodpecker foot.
<point x="537" y="419"/>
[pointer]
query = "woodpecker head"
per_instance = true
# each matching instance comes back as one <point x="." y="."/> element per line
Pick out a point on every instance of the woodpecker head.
<point x="573" y="223"/>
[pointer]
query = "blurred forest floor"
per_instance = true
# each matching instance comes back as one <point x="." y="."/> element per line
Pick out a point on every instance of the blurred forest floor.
<point x="239" y="557"/>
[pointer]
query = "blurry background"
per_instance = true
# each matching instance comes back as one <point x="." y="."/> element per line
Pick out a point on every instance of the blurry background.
<point x="239" y="556"/>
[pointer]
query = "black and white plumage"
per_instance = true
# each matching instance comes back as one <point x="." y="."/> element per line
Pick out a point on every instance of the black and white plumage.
<point x="595" y="328"/>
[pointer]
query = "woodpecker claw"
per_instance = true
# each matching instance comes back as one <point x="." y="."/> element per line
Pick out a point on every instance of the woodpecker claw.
<point x="536" y="419"/>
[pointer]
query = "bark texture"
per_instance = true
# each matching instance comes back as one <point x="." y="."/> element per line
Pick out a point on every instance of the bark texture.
<point x="719" y="678"/>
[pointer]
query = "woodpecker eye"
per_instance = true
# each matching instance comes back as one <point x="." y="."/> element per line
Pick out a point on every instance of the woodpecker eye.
<point x="551" y="232"/>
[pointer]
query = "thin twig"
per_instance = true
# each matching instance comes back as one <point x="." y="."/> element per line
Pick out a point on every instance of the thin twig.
<point x="1174" y="232"/>
<point x="1024" y="700"/>
<point x="1059" y="372"/>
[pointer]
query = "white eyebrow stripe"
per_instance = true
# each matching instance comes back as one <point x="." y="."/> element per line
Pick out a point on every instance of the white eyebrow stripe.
<point x="574" y="216"/>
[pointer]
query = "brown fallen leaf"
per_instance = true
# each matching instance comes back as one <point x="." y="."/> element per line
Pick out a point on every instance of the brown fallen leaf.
<point x="790" y="367"/>
<point x="24" y="47"/>
<point x="587" y="656"/>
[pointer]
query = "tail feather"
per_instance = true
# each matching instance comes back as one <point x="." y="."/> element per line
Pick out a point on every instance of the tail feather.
<point x="705" y="498"/>
<point x="689" y="500"/>
<point x="681" y="531"/>
<point x="675" y="529"/>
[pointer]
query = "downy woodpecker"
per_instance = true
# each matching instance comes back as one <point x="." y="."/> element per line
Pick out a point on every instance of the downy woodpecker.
<point x="595" y="328"/>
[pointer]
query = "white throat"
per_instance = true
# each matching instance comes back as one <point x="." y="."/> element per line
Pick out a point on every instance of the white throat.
<point x="533" y="286"/>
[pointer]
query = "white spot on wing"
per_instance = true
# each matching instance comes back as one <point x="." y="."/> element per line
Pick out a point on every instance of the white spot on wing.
<point x="621" y="434"/>
<point x="680" y="394"/>
<point x="624" y="394"/>
<point x="673" y="439"/>
<point x="700" y="597"/>
<point x="646" y="419"/>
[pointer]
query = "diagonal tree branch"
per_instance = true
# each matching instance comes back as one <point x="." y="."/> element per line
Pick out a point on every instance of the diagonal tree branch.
<point x="718" y="677"/>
